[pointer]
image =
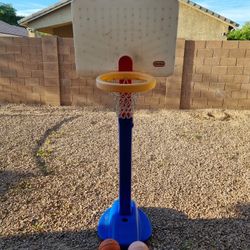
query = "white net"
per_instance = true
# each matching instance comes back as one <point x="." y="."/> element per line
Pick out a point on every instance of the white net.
<point x="125" y="102"/>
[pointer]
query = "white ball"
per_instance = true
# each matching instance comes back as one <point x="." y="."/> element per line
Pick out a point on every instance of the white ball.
<point x="138" y="245"/>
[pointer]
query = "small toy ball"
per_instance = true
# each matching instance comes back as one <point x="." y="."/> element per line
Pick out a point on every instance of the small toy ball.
<point x="109" y="244"/>
<point x="138" y="245"/>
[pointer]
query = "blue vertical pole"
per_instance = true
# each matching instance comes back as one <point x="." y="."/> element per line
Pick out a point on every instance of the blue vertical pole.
<point x="125" y="160"/>
<point x="125" y="148"/>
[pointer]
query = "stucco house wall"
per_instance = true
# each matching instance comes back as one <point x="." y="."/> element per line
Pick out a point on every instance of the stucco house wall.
<point x="194" y="23"/>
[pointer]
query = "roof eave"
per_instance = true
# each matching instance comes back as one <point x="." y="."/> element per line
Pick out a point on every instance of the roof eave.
<point x="26" y="20"/>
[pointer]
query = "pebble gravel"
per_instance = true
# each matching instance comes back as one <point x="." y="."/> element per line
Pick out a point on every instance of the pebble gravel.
<point x="59" y="172"/>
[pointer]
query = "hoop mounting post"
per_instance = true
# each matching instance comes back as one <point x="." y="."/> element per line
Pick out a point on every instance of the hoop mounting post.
<point x="125" y="146"/>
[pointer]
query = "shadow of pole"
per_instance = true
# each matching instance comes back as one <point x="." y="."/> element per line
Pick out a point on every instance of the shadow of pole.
<point x="40" y="162"/>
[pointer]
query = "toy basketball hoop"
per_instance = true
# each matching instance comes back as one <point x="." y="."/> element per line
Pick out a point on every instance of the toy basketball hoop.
<point x="111" y="82"/>
<point x="132" y="36"/>
<point x="125" y="86"/>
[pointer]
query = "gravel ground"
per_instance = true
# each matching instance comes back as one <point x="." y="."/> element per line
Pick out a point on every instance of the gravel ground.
<point x="58" y="173"/>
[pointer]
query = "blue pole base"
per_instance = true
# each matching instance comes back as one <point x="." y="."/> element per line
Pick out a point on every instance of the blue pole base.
<point x="124" y="229"/>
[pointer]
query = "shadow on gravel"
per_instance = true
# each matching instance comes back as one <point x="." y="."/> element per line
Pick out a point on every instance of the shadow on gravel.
<point x="86" y="239"/>
<point x="40" y="162"/>
<point x="174" y="230"/>
<point x="9" y="179"/>
<point x="171" y="230"/>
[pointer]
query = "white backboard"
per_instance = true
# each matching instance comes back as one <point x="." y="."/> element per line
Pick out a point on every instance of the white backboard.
<point x="106" y="30"/>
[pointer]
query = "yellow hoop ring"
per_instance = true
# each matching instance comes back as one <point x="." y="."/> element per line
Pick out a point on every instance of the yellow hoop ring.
<point x="103" y="82"/>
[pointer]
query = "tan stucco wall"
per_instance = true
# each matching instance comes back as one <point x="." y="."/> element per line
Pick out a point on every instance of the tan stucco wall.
<point x="196" y="25"/>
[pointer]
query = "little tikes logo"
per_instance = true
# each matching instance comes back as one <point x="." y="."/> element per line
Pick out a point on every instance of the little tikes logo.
<point x="159" y="64"/>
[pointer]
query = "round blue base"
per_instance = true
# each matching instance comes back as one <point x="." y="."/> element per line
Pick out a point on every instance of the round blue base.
<point x="124" y="229"/>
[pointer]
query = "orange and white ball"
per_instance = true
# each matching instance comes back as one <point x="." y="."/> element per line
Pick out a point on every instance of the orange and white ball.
<point x="109" y="244"/>
<point x="138" y="245"/>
